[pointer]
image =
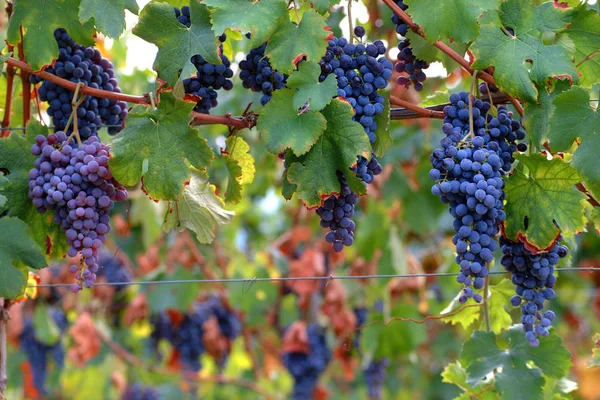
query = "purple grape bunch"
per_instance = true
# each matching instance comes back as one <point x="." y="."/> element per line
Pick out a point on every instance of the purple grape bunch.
<point x="140" y="392"/>
<point x="257" y="74"/>
<point x="307" y="368"/>
<point x="534" y="280"/>
<point x="78" y="63"/>
<point x="210" y="77"/>
<point x="407" y="62"/>
<point x="76" y="184"/>
<point x="375" y="375"/>
<point x="468" y="172"/>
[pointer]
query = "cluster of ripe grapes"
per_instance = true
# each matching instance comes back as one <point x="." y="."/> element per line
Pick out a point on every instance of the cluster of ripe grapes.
<point x="77" y="63"/>
<point x="257" y="74"/>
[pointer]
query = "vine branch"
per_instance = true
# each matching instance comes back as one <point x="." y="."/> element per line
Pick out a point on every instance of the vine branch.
<point x="3" y="323"/>
<point x="447" y="50"/>
<point x="420" y="111"/>
<point x="10" y="78"/>
<point x="26" y="93"/>
<point x="131" y="359"/>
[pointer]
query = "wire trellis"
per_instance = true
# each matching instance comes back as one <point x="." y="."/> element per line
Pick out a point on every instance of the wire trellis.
<point x="287" y="279"/>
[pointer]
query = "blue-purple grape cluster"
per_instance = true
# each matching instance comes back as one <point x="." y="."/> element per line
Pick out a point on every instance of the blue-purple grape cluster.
<point x="78" y="187"/>
<point x="336" y="214"/>
<point x="307" y="368"/>
<point x="210" y="77"/>
<point x="140" y="392"/>
<point x="468" y="172"/>
<point x="375" y="375"/>
<point x="113" y="269"/>
<point x="366" y="170"/>
<point x="38" y="353"/>
<point x="407" y="62"/>
<point x="362" y="315"/>
<point x="360" y="74"/>
<point x="257" y="74"/>
<point x="187" y="338"/>
<point x="534" y="280"/>
<point x="77" y="63"/>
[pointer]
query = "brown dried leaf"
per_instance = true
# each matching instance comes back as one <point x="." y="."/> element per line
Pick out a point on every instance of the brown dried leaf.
<point x="295" y="339"/>
<point x="136" y="310"/>
<point x="87" y="343"/>
<point x="311" y="263"/>
<point x="289" y="241"/>
<point x="217" y="345"/>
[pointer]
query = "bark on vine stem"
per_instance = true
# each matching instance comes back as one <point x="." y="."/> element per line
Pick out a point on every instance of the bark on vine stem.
<point x="3" y="323"/>
<point x="447" y="50"/>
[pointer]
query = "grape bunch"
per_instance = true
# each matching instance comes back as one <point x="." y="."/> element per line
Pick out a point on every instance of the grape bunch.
<point x="468" y="172"/>
<point x="38" y="353"/>
<point x="307" y="368"/>
<point x="336" y="214"/>
<point x="210" y="77"/>
<point x="187" y="338"/>
<point x="257" y="74"/>
<point x="534" y="280"/>
<point x="483" y="88"/>
<point x="362" y="315"/>
<point x="140" y="392"/>
<point x="78" y="187"/>
<point x="113" y="269"/>
<point x="407" y="62"/>
<point x="367" y="169"/>
<point x="375" y="375"/>
<point x="77" y="63"/>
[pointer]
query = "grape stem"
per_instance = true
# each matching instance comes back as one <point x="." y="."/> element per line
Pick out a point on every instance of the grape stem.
<point x="351" y="33"/>
<point x="26" y="93"/>
<point x="447" y="50"/>
<point x="10" y="78"/>
<point x="595" y="53"/>
<point x="75" y="103"/>
<point x="422" y="112"/>
<point x="486" y="313"/>
<point x="131" y="359"/>
<point x="3" y="323"/>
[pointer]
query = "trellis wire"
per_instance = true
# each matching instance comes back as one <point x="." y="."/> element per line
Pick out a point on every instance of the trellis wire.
<point x="287" y="279"/>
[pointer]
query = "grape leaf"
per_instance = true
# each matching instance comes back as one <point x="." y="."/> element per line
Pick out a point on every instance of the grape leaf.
<point x="483" y="354"/>
<point x="539" y="193"/>
<point x="109" y="15"/>
<point x="3" y="58"/>
<point x="595" y="218"/>
<point x="522" y="60"/>
<point x="240" y="164"/>
<point x="288" y="189"/>
<point x="424" y="50"/>
<point x="155" y="145"/>
<point x="309" y="90"/>
<point x="322" y="6"/>
<point x="582" y="39"/>
<point x="165" y="296"/>
<point x="149" y="216"/>
<point x="260" y="18"/>
<point x="282" y="126"/>
<point x="384" y="139"/>
<point x="290" y="42"/>
<point x="39" y="19"/>
<point x="575" y="118"/>
<point x="455" y="374"/>
<point x="537" y="118"/>
<point x="199" y="210"/>
<point x="500" y="295"/>
<point x="177" y="43"/>
<point x="467" y="317"/>
<point x="455" y="20"/>
<point x="132" y="6"/>
<point x="315" y="174"/>
<point x="17" y="160"/>
<point x="16" y="247"/>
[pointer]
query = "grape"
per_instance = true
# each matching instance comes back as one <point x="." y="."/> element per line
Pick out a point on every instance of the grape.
<point x="81" y="64"/>
<point x="361" y="314"/>
<point x="468" y="173"/>
<point x="483" y="88"/>
<point x="210" y="77"/>
<point x="38" y="352"/>
<point x="82" y="209"/>
<point x="534" y="280"/>
<point x="306" y="368"/>
<point x="113" y="269"/>
<point x="140" y="392"/>
<point x="257" y="74"/>
<point x="375" y="375"/>
<point x="359" y="31"/>
<point x="407" y="62"/>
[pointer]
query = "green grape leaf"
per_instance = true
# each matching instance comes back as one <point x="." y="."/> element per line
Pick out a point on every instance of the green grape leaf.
<point x="455" y="20"/>
<point x="155" y="145"/>
<point x="455" y="374"/>
<point x="165" y="296"/>
<point x="149" y="216"/>
<point x="46" y="329"/>
<point x="537" y="118"/>
<point x="16" y="158"/>
<point x="239" y="151"/>
<point x="315" y="174"/>
<point x="288" y="189"/>
<point x="199" y="210"/>
<point x="291" y="42"/>
<point x="309" y="90"/>
<point x="3" y="58"/>
<point x="582" y="39"/>
<point x="17" y="250"/>
<point x="282" y="126"/>
<point x="424" y="50"/>
<point x="485" y="352"/>
<point x="499" y="297"/>
<point x="234" y="187"/>
<point x="466" y="318"/>
<point x="39" y="19"/>
<point x="132" y="6"/>
<point x="109" y="15"/>
<point x="595" y="218"/>
<point x="322" y="6"/>
<point x="574" y="118"/>
<point x="522" y="60"/>
<point x="384" y="139"/>
<point x="260" y="18"/>
<point x="539" y="193"/>
<point x="176" y="43"/>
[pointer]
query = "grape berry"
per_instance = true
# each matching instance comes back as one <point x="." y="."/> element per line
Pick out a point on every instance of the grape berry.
<point x="257" y="74"/>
